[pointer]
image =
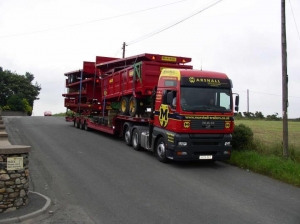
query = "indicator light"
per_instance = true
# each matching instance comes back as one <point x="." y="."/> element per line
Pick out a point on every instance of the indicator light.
<point x="181" y="153"/>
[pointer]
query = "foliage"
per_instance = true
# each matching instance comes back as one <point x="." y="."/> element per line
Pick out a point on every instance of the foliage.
<point x="273" y="166"/>
<point x="69" y="113"/>
<point x="14" y="84"/>
<point x="259" y="115"/>
<point x="273" y="117"/>
<point x="266" y="152"/>
<point x="5" y="107"/>
<point x="268" y="137"/>
<point x="242" y="137"/>
<point x="15" y="103"/>
<point x="27" y="108"/>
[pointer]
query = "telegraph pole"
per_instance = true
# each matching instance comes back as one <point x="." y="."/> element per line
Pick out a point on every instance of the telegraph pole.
<point x="284" y="82"/>
<point x="123" y="49"/>
<point x="248" y="100"/>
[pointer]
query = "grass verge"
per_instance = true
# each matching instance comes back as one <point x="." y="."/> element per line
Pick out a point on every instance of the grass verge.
<point x="279" y="168"/>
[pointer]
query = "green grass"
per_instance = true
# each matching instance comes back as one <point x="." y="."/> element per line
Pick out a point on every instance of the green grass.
<point x="63" y="114"/>
<point x="265" y="154"/>
<point x="285" y="170"/>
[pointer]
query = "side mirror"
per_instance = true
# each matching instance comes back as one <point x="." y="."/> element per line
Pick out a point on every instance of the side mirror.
<point x="237" y="101"/>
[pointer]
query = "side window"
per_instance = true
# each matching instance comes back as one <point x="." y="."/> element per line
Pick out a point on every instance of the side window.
<point x="169" y="97"/>
<point x="224" y="101"/>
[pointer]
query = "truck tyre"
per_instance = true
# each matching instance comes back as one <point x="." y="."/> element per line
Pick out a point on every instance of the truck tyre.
<point x="136" y="144"/>
<point x="161" y="150"/>
<point x="133" y="106"/>
<point x="74" y="122"/>
<point x="81" y="125"/>
<point x="127" y="136"/>
<point x="86" y="127"/>
<point x="124" y="107"/>
<point x="78" y="124"/>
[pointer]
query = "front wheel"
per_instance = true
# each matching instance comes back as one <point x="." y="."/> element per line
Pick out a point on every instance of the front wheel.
<point x="161" y="150"/>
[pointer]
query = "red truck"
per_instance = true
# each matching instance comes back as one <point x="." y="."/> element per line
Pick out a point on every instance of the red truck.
<point x="155" y="102"/>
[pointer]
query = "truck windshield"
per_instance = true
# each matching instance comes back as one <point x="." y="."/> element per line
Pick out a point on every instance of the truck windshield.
<point x="196" y="99"/>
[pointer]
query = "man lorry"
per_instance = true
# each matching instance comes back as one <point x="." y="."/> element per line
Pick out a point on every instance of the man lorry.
<point x="155" y="102"/>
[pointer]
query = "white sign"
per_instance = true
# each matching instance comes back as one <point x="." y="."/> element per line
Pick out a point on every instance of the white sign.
<point x="14" y="163"/>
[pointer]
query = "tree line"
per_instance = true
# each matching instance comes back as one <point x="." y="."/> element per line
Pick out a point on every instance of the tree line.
<point x="259" y="115"/>
<point x="17" y="93"/>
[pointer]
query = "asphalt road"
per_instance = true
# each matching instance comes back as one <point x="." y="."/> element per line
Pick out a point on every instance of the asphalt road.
<point x="92" y="177"/>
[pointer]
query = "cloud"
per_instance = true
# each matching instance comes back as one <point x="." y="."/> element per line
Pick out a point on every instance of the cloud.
<point x="240" y="38"/>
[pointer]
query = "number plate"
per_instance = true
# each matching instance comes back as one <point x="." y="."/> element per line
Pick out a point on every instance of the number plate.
<point x="206" y="157"/>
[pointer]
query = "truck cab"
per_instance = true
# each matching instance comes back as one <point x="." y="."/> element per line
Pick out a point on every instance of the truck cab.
<point x="193" y="116"/>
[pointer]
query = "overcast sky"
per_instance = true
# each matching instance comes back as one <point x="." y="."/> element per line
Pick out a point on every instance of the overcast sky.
<point x="241" y="38"/>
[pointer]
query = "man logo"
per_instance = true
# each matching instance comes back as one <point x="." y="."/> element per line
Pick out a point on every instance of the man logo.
<point x="227" y="125"/>
<point x="163" y="115"/>
<point x="192" y="80"/>
<point x="186" y="124"/>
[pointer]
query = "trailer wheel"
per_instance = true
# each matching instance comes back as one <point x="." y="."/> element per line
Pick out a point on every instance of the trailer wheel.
<point x="124" y="107"/>
<point x="127" y="136"/>
<point x="133" y="106"/>
<point x="78" y="124"/>
<point x="74" y="122"/>
<point x="136" y="144"/>
<point x="161" y="150"/>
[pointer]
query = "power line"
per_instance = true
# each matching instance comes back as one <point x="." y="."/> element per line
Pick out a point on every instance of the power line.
<point x="264" y="93"/>
<point x="93" y="21"/>
<point x="294" y="19"/>
<point x="168" y="27"/>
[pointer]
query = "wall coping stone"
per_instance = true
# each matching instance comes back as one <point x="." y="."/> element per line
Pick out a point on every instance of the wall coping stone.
<point x="14" y="149"/>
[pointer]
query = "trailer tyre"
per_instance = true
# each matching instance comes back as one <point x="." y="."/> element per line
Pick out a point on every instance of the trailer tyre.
<point x="78" y="124"/>
<point x="133" y="106"/>
<point x="127" y="136"/>
<point x="136" y="144"/>
<point x="74" y="123"/>
<point x="161" y="150"/>
<point x="124" y="107"/>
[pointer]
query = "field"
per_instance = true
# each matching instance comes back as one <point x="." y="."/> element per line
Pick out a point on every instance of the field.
<point x="270" y="132"/>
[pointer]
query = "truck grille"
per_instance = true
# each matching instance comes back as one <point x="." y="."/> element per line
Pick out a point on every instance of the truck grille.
<point x="207" y="124"/>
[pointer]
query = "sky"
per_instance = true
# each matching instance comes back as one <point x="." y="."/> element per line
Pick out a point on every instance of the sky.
<point x="241" y="38"/>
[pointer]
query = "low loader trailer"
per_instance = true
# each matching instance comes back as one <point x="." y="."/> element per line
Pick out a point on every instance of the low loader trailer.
<point x="155" y="102"/>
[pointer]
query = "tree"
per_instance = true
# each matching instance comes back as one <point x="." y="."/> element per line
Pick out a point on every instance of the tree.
<point x="15" y="102"/>
<point x="21" y="85"/>
<point x="259" y="115"/>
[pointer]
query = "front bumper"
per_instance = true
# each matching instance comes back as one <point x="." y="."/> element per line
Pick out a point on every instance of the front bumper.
<point x="200" y="146"/>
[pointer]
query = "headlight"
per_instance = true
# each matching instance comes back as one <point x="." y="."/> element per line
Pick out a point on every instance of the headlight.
<point x="182" y="143"/>
<point x="227" y="143"/>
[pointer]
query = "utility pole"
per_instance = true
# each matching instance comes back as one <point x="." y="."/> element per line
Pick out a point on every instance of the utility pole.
<point x="123" y="49"/>
<point x="248" y="100"/>
<point x="284" y="82"/>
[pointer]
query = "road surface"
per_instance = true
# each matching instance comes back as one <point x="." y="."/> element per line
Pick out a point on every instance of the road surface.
<point x="93" y="177"/>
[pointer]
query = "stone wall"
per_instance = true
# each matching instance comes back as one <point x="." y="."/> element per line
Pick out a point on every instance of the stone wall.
<point x="12" y="113"/>
<point x="14" y="177"/>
